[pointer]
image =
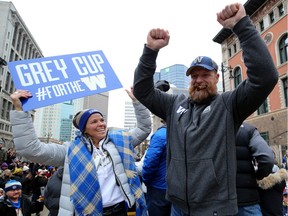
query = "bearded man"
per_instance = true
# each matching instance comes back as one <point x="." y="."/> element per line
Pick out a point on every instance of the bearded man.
<point x="201" y="129"/>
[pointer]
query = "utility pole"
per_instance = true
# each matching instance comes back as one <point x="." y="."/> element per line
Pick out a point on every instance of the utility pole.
<point x="223" y="70"/>
<point x="223" y="79"/>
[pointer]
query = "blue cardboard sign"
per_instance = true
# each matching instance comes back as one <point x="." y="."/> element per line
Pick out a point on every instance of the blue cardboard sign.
<point x="57" y="79"/>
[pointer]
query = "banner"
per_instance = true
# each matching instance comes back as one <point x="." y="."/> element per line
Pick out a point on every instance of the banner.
<point x="57" y="79"/>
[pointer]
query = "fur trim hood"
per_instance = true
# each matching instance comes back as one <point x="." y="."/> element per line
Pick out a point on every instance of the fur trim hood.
<point x="273" y="179"/>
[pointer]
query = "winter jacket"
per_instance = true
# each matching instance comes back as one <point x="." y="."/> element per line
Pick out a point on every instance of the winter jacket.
<point x="6" y="209"/>
<point x="28" y="145"/>
<point x="154" y="167"/>
<point x="201" y="151"/>
<point x="271" y="192"/>
<point x="52" y="192"/>
<point x="251" y="146"/>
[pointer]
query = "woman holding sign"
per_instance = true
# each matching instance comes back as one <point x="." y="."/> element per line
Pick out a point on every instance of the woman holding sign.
<point x="99" y="171"/>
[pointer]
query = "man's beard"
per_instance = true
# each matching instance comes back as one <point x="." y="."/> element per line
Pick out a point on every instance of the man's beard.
<point x="202" y="92"/>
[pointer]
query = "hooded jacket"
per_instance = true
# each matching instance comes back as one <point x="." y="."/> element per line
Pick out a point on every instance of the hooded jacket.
<point x="28" y="145"/>
<point x="271" y="192"/>
<point x="201" y="155"/>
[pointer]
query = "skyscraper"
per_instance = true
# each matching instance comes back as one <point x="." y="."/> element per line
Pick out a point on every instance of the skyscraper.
<point x="175" y="75"/>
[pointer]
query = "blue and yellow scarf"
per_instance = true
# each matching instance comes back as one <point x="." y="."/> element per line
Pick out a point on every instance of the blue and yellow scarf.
<point x="85" y="188"/>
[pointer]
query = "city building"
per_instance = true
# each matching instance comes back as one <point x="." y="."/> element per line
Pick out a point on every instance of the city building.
<point x="175" y="74"/>
<point x="16" y="43"/>
<point x="52" y="123"/>
<point x="129" y="116"/>
<point x="270" y="19"/>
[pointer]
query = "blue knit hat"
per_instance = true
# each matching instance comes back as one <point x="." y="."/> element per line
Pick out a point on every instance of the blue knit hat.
<point x="81" y="118"/>
<point x="12" y="185"/>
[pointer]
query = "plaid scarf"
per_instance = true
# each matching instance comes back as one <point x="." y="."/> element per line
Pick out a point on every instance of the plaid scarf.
<point x="85" y="188"/>
<point x="122" y="140"/>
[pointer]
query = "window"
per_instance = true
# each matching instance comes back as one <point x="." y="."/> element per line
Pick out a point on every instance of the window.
<point x="281" y="10"/>
<point x="229" y="52"/>
<point x="263" y="108"/>
<point x="283" y="49"/>
<point x="234" y="48"/>
<point x="4" y="109"/>
<point x="7" y="81"/>
<point x="272" y="17"/>
<point x="261" y="23"/>
<point x="237" y="76"/>
<point x="265" y="136"/>
<point x="285" y="89"/>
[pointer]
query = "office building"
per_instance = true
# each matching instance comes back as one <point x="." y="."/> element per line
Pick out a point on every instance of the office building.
<point x="175" y="74"/>
<point x="16" y="43"/>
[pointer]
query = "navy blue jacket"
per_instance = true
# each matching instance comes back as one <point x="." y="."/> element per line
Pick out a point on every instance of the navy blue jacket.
<point x="154" y="167"/>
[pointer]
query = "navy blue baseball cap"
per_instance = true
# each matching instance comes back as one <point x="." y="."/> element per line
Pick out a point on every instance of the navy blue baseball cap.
<point x="204" y="62"/>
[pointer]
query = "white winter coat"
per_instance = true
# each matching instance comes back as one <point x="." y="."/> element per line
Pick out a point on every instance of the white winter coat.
<point x="28" y="145"/>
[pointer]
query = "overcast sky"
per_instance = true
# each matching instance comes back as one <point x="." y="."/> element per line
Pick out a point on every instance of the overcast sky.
<point x="119" y="29"/>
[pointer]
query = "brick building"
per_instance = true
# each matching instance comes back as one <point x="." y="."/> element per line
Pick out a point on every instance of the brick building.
<point x="270" y="19"/>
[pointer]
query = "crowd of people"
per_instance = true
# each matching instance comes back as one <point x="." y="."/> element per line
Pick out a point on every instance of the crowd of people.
<point x="29" y="181"/>
<point x="203" y="160"/>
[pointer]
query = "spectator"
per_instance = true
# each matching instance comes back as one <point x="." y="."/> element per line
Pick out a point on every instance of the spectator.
<point x="154" y="173"/>
<point x="102" y="159"/>
<point x="139" y="168"/>
<point x="25" y="170"/>
<point x="11" y="155"/>
<point x="27" y="182"/>
<point x="154" y="167"/>
<point x="285" y="202"/>
<point x="39" y="184"/>
<point x="250" y="146"/>
<point x="271" y="191"/>
<point x="52" y="192"/>
<point x="18" y="172"/>
<point x="2" y="194"/>
<point x="3" y="155"/>
<point x="284" y="160"/>
<point x="201" y="129"/>
<point x="15" y="203"/>
<point x="7" y="176"/>
<point x="3" y="167"/>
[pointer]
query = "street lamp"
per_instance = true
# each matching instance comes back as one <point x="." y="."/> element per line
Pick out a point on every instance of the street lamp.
<point x="224" y="68"/>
